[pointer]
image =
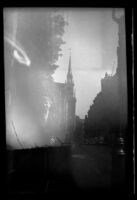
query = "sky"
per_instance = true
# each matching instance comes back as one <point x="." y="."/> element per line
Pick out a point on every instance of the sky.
<point x="92" y="36"/>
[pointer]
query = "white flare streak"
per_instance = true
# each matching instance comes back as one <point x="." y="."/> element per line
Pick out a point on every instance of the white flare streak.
<point x="19" y="53"/>
<point x="47" y="106"/>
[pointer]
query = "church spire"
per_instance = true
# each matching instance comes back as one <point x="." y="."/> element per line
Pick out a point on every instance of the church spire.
<point x="69" y="74"/>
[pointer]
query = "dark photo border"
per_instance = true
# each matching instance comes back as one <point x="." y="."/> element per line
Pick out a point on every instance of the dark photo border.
<point x="129" y="17"/>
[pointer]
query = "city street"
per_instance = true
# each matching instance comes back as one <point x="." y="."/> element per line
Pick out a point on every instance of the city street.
<point x="90" y="169"/>
<point x="91" y="166"/>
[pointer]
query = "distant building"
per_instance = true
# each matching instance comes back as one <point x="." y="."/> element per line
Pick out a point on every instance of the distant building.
<point x="63" y="113"/>
<point x="79" y="130"/>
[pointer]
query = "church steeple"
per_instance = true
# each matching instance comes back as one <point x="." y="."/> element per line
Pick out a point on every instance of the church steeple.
<point x="69" y="74"/>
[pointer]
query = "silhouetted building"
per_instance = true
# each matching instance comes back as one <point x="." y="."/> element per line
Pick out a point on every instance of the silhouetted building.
<point x="108" y="115"/>
<point x="122" y="71"/>
<point x="102" y="116"/>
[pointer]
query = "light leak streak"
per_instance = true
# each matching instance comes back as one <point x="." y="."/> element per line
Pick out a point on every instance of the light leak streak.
<point x="19" y="53"/>
<point x="47" y="106"/>
<point x="15" y="26"/>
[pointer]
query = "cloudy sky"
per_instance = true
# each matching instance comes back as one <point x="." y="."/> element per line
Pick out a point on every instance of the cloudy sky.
<point x="92" y="36"/>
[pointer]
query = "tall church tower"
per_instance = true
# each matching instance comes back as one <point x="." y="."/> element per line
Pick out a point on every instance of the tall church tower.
<point x="69" y="74"/>
<point x="70" y="102"/>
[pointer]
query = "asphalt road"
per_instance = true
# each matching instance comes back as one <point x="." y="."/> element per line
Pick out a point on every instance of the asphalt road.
<point x="90" y="169"/>
<point x="91" y="166"/>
